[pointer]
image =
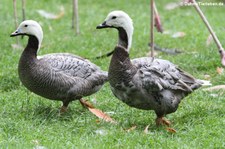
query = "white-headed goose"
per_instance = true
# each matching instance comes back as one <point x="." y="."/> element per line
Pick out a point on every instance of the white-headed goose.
<point x="58" y="76"/>
<point x="145" y="83"/>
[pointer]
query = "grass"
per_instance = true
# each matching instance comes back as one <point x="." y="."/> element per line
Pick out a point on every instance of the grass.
<point x="29" y="121"/>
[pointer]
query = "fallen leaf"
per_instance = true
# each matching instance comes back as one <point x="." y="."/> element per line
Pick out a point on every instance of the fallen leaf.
<point x="207" y="77"/>
<point x="214" y="95"/>
<point x="206" y="82"/>
<point x="178" y="35"/>
<point x="171" y="6"/>
<point x="101" y="115"/>
<point x="219" y="70"/>
<point x="132" y="128"/>
<point x="171" y="130"/>
<point x="49" y="15"/>
<point x="167" y="32"/>
<point x="86" y="104"/>
<point x="209" y="40"/>
<point x="40" y="147"/>
<point x="96" y="112"/>
<point x="36" y="142"/>
<point x="146" y="129"/>
<point x="101" y="132"/>
<point x="217" y="87"/>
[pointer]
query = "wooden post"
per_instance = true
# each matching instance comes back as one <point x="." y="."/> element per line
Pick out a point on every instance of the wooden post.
<point x="75" y="17"/>
<point x="23" y="10"/>
<point x="15" y="18"/>
<point x="152" y="27"/>
<point x="207" y="25"/>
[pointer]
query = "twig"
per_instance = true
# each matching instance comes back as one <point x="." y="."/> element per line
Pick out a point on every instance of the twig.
<point x="208" y="25"/>
<point x="152" y="27"/>
<point x="15" y="18"/>
<point x="75" y="17"/>
<point x="165" y="50"/>
<point x="23" y="10"/>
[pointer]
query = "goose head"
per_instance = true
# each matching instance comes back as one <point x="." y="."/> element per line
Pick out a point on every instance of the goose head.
<point x="121" y="21"/>
<point x="29" y="28"/>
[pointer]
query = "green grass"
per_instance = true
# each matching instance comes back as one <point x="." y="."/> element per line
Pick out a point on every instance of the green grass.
<point x="29" y="121"/>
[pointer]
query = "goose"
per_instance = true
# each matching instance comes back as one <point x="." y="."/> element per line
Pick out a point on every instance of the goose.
<point x="145" y="83"/>
<point x="57" y="76"/>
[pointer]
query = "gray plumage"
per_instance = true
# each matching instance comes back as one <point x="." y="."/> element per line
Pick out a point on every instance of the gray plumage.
<point x="145" y="83"/>
<point x="57" y="76"/>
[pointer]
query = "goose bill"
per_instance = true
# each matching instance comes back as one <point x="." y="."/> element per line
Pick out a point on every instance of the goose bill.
<point x="16" y="33"/>
<point x="103" y="25"/>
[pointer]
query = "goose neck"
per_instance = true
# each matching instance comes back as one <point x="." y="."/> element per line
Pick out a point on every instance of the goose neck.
<point x="32" y="46"/>
<point x="125" y="38"/>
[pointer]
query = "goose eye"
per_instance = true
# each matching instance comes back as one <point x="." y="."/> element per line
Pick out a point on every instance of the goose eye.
<point x="25" y="25"/>
<point x="114" y="17"/>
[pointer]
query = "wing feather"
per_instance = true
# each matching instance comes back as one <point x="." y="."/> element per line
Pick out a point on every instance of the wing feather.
<point x="157" y="74"/>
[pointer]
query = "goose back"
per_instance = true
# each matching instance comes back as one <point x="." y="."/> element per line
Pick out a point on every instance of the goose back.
<point x="149" y="83"/>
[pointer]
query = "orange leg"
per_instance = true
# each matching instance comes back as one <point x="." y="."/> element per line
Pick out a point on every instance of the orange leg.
<point x="162" y="121"/>
<point x="63" y="109"/>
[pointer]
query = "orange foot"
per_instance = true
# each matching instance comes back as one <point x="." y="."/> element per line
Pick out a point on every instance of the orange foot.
<point x="162" y="121"/>
<point x="63" y="109"/>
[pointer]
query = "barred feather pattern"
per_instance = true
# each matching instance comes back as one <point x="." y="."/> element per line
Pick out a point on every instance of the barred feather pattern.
<point x="149" y="83"/>
<point x="59" y="76"/>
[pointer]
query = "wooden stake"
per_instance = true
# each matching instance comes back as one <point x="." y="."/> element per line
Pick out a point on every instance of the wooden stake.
<point x="75" y="17"/>
<point x="15" y="19"/>
<point x="152" y="28"/>
<point x="207" y="25"/>
<point x="23" y="10"/>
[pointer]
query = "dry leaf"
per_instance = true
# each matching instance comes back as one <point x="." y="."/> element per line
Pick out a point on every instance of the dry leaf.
<point x="171" y="6"/>
<point x="207" y="77"/>
<point x="101" y="115"/>
<point x="219" y="70"/>
<point x="209" y="40"/>
<point x="206" y="82"/>
<point x="132" y="128"/>
<point x="178" y="35"/>
<point x="217" y="87"/>
<point x="167" y="32"/>
<point x="40" y="147"/>
<point x="214" y="95"/>
<point x="146" y="129"/>
<point x="49" y="15"/>
<point x="36" y="142"/>
<point x="96" y="112"/>
<point x="101" y="132"/>
<point x="171" y="130"/>
<point x="86" y="104"/>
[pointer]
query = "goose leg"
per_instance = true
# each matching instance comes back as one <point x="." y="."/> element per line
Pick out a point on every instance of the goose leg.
<point x="86" y="104"/>
<point x="162" y="121"/>
<point x="64" y="107"/>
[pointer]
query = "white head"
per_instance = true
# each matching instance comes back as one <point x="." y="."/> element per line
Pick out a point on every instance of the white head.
<point x="119" y="19"/>
<point x="29" y="27"/>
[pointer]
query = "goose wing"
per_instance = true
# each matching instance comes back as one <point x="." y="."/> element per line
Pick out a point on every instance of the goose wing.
<point x="71" y="65"/>
<point x="156" y="74"/>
